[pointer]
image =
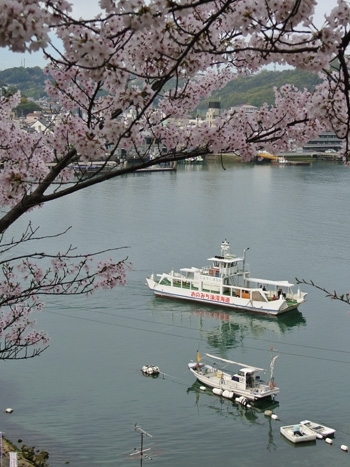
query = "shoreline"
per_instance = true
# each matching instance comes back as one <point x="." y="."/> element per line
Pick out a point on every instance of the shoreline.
<point x="8" y="446"/>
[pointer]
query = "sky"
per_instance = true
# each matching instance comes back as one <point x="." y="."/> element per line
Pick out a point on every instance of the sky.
<point x="82" y="8"/>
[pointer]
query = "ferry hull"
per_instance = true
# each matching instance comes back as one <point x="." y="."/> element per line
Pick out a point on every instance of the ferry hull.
<point x="216" y="299"/>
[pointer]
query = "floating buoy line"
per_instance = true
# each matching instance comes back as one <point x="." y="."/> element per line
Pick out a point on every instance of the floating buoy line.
<point x="153" y="371"/>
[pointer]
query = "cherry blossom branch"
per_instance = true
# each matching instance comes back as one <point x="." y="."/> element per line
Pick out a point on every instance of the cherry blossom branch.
<point x="345" y="297"/>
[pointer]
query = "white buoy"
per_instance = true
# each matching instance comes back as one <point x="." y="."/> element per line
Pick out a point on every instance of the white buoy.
<point x="150" y="370"/>
<point x="202" y="388"/>
<point x="343" y="447"/>
<point x="217" y="391"/>
<point x="227" y="394"/>
<point x="243" y="401"/>
<point x="9" y="410"/>
<point x="329" y="441"/>
<point x="274" y="416"/>
<point x="268" y="413"/>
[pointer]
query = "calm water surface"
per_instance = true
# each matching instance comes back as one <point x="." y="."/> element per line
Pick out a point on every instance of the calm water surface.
<point x="81" y="398"/>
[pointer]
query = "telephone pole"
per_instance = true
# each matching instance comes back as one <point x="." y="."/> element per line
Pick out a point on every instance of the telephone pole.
<point x="142" y="433"/>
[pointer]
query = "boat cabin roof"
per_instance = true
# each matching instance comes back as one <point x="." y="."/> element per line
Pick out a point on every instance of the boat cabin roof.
<point x="226" y="259"/>
<point x="189" y="269"/>
<point x="269" y="282"/>
<point x="249" y="370"/>
<point x="243" y="366"/>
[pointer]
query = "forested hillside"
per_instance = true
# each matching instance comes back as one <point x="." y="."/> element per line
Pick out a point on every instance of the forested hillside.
<point x="254" y="90"/>
<point x="258" y="89"/>
<point x="30" y="81"/>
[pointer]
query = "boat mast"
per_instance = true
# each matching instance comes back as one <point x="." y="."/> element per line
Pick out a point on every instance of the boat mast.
<point x="243" y="267"/>
<point x="245" y="249"/>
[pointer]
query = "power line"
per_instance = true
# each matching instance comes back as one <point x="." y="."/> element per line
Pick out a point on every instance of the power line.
<point x="269" y="341"/>
<point x="154" y="331"/>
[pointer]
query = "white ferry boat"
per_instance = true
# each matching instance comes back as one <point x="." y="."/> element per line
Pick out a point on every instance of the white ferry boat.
<point x="227" y="283"/>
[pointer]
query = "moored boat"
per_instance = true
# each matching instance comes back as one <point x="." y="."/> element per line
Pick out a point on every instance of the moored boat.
<point x="92" y="167"/>
<point x="321" y="431"/>
<point x="298" y="433"/>
<point x="246" y="381"/>
<point x="282" y="160"/>
<point x="226" y="282"/>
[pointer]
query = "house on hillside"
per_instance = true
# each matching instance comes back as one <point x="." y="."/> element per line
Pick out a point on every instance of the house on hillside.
<point x="41" y="126"/>
<point x="212" y="113"/>
<point x="32" y="117"/>
<point x="246" y="108"/>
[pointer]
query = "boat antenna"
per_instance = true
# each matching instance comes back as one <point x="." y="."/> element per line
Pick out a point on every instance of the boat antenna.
<point x="225" y="248"/>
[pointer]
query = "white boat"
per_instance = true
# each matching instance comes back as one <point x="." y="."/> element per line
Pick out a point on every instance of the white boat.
<point x="246" y="381"/>
<point x="282" y="160"/>
<point x="93" y="167"/>
<point x="321" y="431"/>
<point x="226" y="282"/>
<point x="298" y="433"/>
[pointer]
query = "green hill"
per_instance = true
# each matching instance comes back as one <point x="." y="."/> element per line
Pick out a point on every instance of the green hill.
<point x="254" y="90"/>
<point x="30" y="81"/>
<point x="258" y="89"/>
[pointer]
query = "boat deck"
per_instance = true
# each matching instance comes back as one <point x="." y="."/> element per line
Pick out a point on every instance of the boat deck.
<point x="227" y="292"/>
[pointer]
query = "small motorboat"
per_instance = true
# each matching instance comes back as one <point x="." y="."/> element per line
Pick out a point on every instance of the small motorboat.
<point x="298" y="433"/>
<point x="245" y="382"/>
<point x="321" y="431"/>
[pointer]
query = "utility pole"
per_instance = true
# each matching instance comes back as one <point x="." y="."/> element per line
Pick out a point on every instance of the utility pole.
<point x="142" y="433"/>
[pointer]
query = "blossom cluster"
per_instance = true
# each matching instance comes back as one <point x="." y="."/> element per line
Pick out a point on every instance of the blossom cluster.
<point x="121" y="75"/>
<point x="24" y="282"/>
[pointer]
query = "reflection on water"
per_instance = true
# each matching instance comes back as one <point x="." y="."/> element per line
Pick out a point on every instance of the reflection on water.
<point x="226" y="330"/>
<point x="255" y="414"/>
<point x="251" y="413"/>
<point x="81" y="399"/>
<point x="299" y="445"/>
<point x="235" y="326"/>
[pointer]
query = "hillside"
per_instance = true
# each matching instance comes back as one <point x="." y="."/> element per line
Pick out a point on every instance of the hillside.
<point x="258" y="89"/>
<point x="30" y="81"/>
<point x="254" y="90"/>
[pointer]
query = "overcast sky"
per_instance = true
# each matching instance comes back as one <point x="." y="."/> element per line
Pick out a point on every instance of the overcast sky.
<point x="88" y="9"/>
